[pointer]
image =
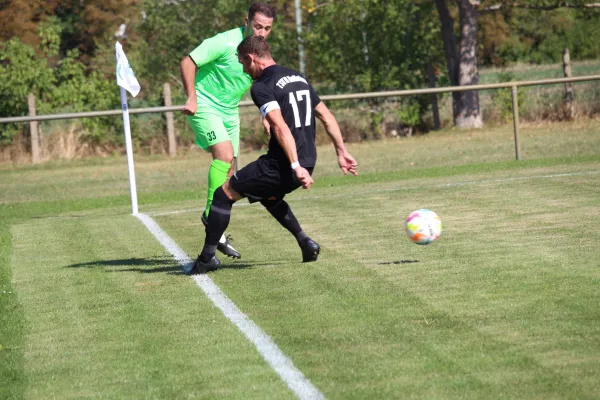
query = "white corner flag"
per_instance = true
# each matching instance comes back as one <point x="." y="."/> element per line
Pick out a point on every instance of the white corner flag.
<point x="127" y="81"/>
<point x="125" y="76"/>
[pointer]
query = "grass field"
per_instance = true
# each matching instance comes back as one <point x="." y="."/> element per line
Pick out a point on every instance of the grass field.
<point x="504" y="305"/>
<point x="526" y="72"/>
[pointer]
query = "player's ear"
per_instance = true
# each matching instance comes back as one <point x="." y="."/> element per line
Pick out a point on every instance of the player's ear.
<point x="246" y="21"/>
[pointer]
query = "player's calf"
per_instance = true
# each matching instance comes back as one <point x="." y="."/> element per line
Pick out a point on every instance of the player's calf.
<point x="224" y="244"/>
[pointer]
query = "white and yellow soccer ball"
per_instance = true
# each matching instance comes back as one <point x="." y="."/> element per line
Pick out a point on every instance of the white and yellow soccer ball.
<point x="423" y="226"/>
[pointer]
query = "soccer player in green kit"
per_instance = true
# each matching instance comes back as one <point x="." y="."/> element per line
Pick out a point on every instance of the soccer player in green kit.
<point x="214" y="82"/>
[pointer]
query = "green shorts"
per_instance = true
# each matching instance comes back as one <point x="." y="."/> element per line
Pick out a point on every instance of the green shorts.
<point x="212" y="127"/>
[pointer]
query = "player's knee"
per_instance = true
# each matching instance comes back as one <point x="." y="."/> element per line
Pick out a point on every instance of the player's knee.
<point x="222" y="151"/>
<point x="229" y="192"/>
<point x="224" y="158"/>
<point x="271" y="204"/>
<point x="274" y="205"/>
<point x="220" y="197"/>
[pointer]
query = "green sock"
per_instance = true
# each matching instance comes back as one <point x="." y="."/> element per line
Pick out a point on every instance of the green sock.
<point x="217" y="175"/>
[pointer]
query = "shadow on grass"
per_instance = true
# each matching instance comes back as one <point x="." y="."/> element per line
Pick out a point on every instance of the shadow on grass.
<point x="158" y="264"/>
<point x="144" y="265"/>
<point x="398" y="262"/>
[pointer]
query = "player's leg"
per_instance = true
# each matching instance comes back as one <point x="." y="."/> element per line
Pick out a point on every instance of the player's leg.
<point x="281" y="211"/>
<point x="278" y="183"/>
<point x="218" y="220"/>
<point x="232" y="126"/>
<point x="225" y="149"/>
<point x="245" y="180"/>
<point x="232" y="190"/>
<point x="212" y="136"/>
<point x="217" y="176"/>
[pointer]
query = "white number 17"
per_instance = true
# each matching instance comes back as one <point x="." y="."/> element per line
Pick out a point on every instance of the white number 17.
<point x="299" y="95"/>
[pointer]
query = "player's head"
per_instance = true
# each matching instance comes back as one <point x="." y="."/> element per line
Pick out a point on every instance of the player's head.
<point x="260" y="19"/>
<point x="255" y="55"/>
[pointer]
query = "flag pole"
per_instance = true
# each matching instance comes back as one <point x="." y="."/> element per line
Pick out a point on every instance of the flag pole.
<point x="129" y="150"/>
<point x="128" y="82"/>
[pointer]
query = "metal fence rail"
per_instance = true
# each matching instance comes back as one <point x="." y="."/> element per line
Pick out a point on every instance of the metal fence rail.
<point x="394" y="93"/>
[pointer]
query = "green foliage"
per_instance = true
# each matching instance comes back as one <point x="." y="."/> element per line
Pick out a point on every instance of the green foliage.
<point x="63" y="86"/>
<point x="63" y="50"/>
<point x="410" y="113"/>
<point x="372" y="45"/>
<point x="540" y="36"/>
<point x="502" y="98"/>
<point x="361" y="46"/>
<point x="195" y="21"/>
<point x="21" y="73"/>
<point x="49" y="33"/>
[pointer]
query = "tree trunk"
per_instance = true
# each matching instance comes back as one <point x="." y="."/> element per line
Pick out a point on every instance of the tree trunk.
<point x="469" y="115"/>
<point x="450" y="51"/>
<point x="462" y="66"/>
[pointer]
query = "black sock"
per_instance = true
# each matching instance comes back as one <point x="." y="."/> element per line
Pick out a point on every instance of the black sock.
<point x="218" y="220"/>
<point x="282" y="212"/>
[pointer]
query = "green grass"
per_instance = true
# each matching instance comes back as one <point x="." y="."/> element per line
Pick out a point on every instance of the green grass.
<point x="527" y="72"/>
<point x="185" y="177"/>
<point x="505" y="304"/>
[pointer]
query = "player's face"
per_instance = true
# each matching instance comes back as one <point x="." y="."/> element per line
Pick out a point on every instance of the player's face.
<point x="260" y="25"/>
<point x="248" y="65"/>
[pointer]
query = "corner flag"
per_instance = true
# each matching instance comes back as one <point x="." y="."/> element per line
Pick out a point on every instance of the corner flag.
<point x="125" y="76"/>
<point x="127" y="81"/>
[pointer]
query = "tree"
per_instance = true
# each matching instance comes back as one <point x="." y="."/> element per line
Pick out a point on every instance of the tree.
<point x="462" y="60"/>
<point x="370" y="46"/>
<point x="59" y="84"/>
<point x="84" y="24"/>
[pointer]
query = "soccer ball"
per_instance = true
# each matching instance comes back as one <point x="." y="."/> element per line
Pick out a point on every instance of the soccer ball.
<point x="423" y="226"/>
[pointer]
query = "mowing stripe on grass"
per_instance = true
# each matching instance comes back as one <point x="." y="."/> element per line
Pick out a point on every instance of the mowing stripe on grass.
<point x="437" y="186"/>
<point x="284" y="367"/>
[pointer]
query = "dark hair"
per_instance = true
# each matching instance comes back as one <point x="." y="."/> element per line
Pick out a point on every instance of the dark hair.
<point x="256" y="45"/>
<point x="261" y="8"/>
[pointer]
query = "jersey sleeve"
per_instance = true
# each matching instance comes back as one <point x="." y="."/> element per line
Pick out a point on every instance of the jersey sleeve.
<point x="264" y="98"/>
<point x="209" y="50"/>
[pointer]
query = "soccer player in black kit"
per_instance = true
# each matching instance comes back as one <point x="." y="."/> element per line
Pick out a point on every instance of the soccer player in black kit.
<point x="289" y="104"/>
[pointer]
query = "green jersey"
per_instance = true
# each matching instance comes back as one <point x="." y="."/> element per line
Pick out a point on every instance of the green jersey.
<point x="220" y="79"/>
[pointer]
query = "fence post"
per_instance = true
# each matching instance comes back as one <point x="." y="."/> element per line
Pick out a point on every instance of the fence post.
<point x="568" y="86"/>
<point x="170" y="123"/>
<point x="33" y="130"/>
<point x="515" y="108"/>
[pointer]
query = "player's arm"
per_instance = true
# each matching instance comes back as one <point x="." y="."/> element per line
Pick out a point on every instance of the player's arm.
<point x="209" y="50"/>
<point x="345" y="160"/>
<point x="284" y="137"/>
<point x="266" y="126"/>
<point x="188" y="75"/>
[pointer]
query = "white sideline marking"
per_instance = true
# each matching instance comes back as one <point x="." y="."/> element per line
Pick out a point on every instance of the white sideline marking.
<point x="284" y="367"/>
<point x="443" y="185"/>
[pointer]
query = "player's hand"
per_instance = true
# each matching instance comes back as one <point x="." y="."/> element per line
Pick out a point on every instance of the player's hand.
<point x="347" y="163"/>
<point x="304" y="177"/>
<point x="190" y="106"/>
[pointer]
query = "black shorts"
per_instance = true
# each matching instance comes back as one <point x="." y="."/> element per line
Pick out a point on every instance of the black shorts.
<point x="265" y="179"/>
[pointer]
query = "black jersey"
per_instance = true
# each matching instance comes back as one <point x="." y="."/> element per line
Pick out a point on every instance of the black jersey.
<point x="282" y="88"/>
